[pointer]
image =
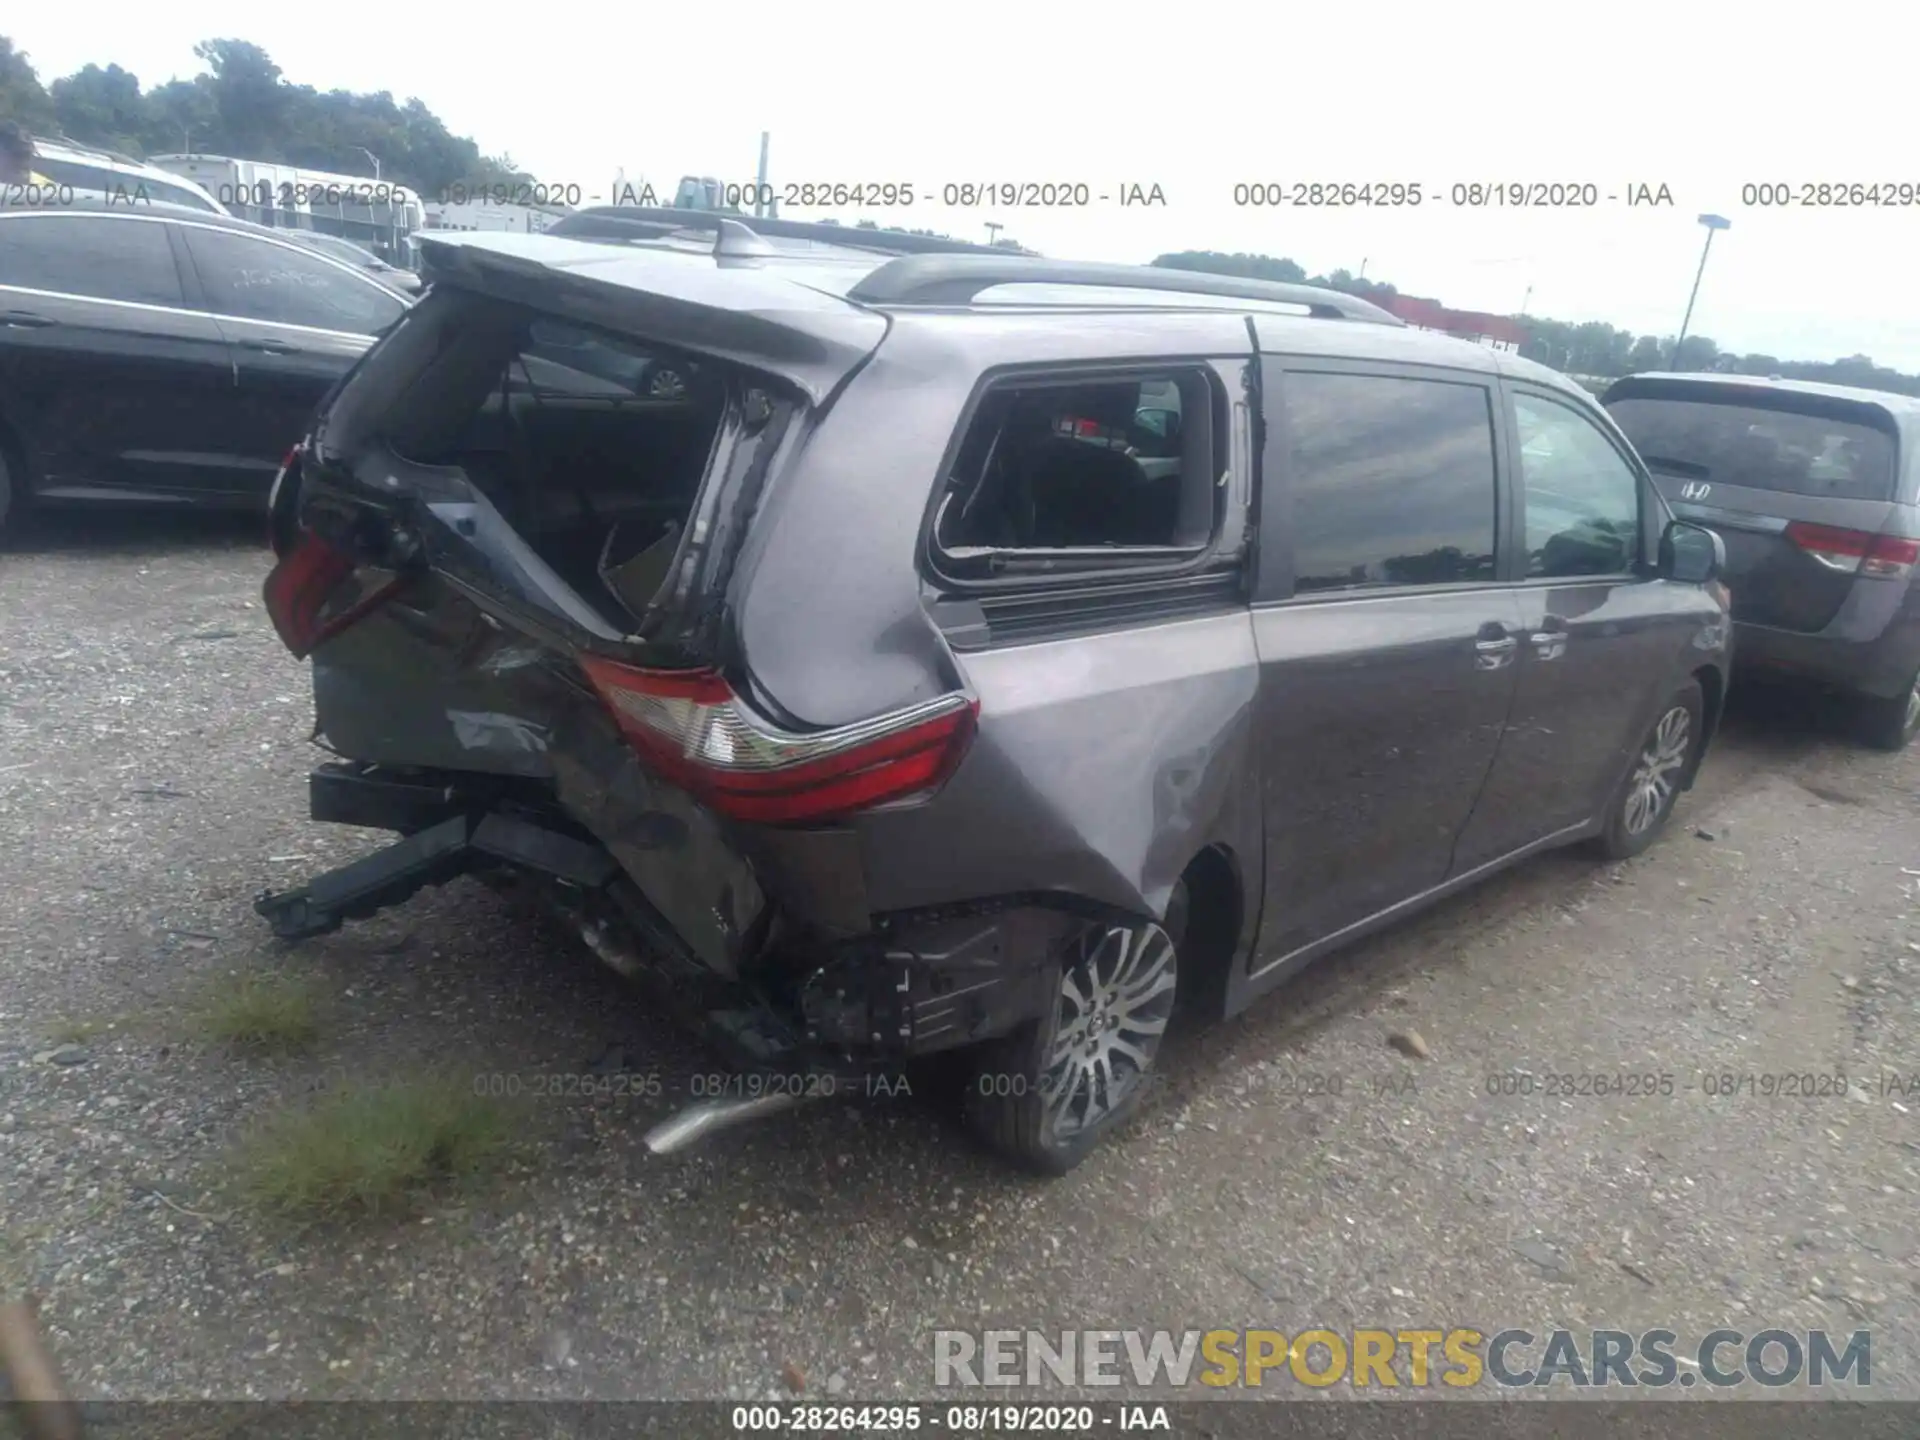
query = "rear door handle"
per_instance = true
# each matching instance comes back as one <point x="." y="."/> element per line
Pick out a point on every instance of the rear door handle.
<point x="25" y="320"/>
<point x="1494" y="653"/>
<point x="270" y="347"/>
<point x="1550" y="641"/>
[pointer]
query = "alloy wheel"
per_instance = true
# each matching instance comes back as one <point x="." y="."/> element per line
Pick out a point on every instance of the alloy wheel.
<point x="1657" y="772"/>
<point x="1912" y="721"/>
<point x="1116" y="996"/>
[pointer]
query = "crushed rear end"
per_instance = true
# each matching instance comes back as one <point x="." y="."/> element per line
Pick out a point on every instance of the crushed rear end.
<point x="507" y="546"/>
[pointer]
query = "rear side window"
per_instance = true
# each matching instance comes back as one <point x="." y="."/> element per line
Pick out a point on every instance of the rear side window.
<point x="103" y="257"/>
<point x="255" y="279"/>
<point x="1084" y="470"/>
<point x="1763" y="448"/>
<point x="1393" y="481"/>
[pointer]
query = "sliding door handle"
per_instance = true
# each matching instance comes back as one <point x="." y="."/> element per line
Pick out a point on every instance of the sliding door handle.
<point x="1494" y="654"/>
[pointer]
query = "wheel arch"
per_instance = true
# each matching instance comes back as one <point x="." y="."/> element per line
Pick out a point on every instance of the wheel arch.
<point x="1712" y="681"/>
<point x="1219" y="924"/>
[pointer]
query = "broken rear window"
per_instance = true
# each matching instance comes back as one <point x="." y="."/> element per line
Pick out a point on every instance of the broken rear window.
<point x="1101" y="467"/>
<point x="593" y="445"/>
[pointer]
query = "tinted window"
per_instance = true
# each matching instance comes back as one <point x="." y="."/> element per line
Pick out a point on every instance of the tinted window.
<point x="1393" y="481"/>
<point x="132" y="189"/>
<point x="109" y="257"/>
<point x="1583" y="499"/>
<point x="1802" y="454"/>
<point x="264" y="280"/>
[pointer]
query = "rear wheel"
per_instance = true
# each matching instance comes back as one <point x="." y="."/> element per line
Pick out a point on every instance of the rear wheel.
<point x="1045" y="1096"/>
<point x="6" y="489"/>
<point x="1644" y="802"/>
<point x="1890" y="723"/>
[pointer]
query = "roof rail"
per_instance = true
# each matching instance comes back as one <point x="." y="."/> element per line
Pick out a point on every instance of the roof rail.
<point x="655" y="222"/>
<point x="957" y="279"/>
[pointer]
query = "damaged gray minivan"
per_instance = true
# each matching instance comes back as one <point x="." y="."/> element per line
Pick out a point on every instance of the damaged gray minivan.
<point x="884" y="656"/>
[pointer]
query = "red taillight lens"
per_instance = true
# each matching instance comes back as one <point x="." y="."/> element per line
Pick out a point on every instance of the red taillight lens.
<point x="692" y="728"/>
<point x="1855" y="551"/>
<point x="315" y="592"/>
<point x="1891" y="556"/>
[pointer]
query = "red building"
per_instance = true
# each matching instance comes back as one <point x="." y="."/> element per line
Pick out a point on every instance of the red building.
<point x="1499" y="331"/>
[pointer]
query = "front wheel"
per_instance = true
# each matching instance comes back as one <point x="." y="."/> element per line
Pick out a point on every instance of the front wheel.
<point x="1890" y="723"/>
<point x="1046" y="1095"/>
<point x="1644" y="802"/>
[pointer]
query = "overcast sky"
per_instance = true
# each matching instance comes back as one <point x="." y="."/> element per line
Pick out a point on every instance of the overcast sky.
<point x="1195" y="97"/>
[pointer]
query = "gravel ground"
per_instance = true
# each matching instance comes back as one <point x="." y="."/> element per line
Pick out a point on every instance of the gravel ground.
<point x="153" y="749"/>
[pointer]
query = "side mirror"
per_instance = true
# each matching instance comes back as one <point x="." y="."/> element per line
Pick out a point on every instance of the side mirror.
<point x="1691" y="554"/>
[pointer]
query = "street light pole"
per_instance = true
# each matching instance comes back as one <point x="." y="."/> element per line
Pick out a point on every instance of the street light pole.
<point x="1713" y="223"/>
<point x="373" y="157"/>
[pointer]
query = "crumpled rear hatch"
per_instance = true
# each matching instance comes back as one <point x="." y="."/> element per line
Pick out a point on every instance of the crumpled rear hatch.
<point x="508" y="540"/>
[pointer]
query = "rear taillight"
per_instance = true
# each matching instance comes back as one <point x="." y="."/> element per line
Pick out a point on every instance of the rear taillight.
<point x="316" y="591"/>
<point x="692" y="728"/>
<point x="1855" y="552"/>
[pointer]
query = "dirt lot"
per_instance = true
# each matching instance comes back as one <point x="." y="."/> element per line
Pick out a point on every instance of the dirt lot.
<point x="153" y="748"/>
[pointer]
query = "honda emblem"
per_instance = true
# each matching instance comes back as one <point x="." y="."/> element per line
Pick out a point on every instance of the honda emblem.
<point x="1695" y="490"/>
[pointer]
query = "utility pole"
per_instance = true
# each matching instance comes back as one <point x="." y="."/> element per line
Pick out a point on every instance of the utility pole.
<point x="1713" y="223"/>
<point x="762" y="202"/>
<point x="993" y="232"/>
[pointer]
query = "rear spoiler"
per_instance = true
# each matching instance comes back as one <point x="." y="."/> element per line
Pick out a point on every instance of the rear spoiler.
<point x="757" y="318"/>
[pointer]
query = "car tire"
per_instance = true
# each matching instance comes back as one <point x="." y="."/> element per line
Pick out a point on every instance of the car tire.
<point x="1045" y="1096"/>
<point x="1889" y="723"/>
<point x="6" y="490"/>
<point x="1644" y="800"/>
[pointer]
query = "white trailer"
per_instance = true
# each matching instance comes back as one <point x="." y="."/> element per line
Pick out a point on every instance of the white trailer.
<point x="378" y="214"/>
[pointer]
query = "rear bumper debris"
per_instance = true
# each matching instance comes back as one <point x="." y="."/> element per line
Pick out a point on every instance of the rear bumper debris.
<point x="809" y="1006"/>
<point x="432" y="856"/>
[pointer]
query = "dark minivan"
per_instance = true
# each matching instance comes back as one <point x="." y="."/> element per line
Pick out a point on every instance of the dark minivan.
<point x="1813" y="489"/>
<point x="968" y="653"/>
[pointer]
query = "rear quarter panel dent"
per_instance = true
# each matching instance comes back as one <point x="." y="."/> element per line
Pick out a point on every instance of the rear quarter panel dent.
<point x="1102" y="767"/>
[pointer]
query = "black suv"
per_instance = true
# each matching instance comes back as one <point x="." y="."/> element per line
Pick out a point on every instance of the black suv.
<point x="966" y="652"/>
<point x="1816" y="491"/>
<point x="161" y="354"/>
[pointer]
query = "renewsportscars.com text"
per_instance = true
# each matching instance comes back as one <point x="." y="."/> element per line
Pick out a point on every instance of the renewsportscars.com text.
<point x="1391" y="1359"/>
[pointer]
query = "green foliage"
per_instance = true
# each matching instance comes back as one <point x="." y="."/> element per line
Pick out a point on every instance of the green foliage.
<point x="244" y="106"/>
<point x="1267" y="267"/>
<point x="369" y="1150"/>
<point x="262" y="1012"/>
<point x="1590" y="348"/>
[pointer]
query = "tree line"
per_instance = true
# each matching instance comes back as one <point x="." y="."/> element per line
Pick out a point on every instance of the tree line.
<point x="1589" y="348"/>
<point x="244" y="105"/>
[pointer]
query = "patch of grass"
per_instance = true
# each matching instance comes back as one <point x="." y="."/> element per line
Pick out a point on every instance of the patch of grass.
<point x="262" y="1013"/>
<point x="76" y="1032"/>
<point x="370" y="1150"/>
